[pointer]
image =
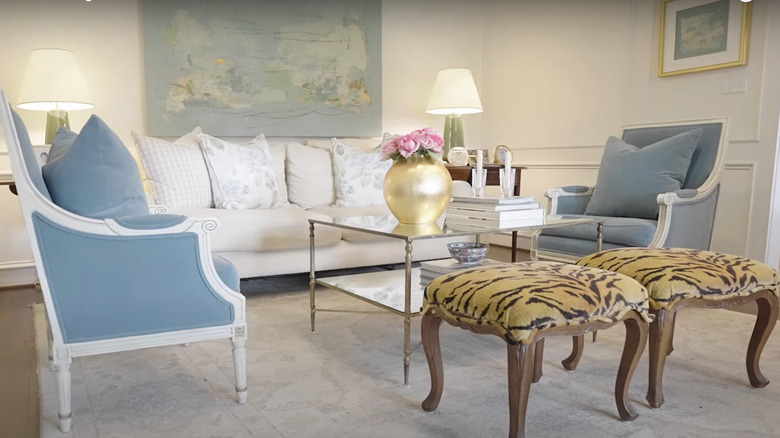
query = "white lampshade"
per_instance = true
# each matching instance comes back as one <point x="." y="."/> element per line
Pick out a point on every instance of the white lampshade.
<point x="53" y="81"/>
<point x="454" y="92"/>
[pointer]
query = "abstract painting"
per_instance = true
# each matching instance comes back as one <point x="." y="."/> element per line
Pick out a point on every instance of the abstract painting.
<point x="699" y="35"/>
<point x="284" y="68"/>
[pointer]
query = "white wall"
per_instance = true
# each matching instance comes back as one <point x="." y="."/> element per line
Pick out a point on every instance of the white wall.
<point x="556" y="78"/>
<point x="555" y="88"/>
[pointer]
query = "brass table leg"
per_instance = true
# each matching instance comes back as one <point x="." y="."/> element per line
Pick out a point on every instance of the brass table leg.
<point x="407" y="309"/>
<point x="312" y="283"/>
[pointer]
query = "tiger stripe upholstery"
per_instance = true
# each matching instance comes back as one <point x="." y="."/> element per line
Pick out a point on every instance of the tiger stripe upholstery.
<point x="676" y="278"/>
<point x="525" y="302"/>
<point x="674" y="274"/>
<point x="521" y="299"/>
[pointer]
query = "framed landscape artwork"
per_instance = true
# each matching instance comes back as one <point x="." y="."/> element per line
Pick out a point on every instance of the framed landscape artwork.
<point x="283" y="68"/>
<point x="699" y="35"/>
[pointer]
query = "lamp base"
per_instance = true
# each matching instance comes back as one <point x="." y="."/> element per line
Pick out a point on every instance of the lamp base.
<point x="453" y="133"/>
<point x="55" y="119"/>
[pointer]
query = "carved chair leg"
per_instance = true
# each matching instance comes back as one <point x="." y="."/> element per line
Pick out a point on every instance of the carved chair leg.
<point x="430" y="341"/>
<point x="62" y="377"/>
<point x="578" y="346"/>
<point x="520" y="372"/>
<point x="239" y="365"/>
<point x="538" y="359"/>
<point x="636" y="338"/>
<point x="765" y="322"/>
<point x="660" y="335"/>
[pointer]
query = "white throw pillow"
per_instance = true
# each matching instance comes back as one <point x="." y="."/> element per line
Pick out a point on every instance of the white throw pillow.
<point x="309" y="176"/>
<point x="242" y="176"/>
<point x="358" y="176"/>
<point x="175" y="171"/>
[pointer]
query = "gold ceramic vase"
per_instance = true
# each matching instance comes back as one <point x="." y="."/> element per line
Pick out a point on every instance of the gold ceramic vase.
<point x="417" y="190"/>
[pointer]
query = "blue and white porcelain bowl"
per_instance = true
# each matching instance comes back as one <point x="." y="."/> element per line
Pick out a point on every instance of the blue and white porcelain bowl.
<point x="467" y="253"/>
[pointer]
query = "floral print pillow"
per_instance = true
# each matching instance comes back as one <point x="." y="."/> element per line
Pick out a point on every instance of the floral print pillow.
<point x="242" y="176"/>
<point x="358" y="175"/>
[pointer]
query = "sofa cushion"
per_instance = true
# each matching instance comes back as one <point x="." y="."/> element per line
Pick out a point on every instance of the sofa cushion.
<point x="630" y="178"/>
<point x="366" y="216"/>
<point x="175" y="170"/>
<point x="309" y="176"/>
<point x="96" y="176"/>
<point x="358" y="176"/>
<point x="278" y="153"/>
<point x="242" y="176"/>
<point x="263" y="229"/>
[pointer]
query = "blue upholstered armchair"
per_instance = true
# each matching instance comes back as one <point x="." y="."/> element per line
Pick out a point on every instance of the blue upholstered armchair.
<point x="113" y="276"/>
<point x="657" y="186"/>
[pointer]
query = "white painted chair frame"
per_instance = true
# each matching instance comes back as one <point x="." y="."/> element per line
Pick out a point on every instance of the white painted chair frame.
<point x="63" y="353"/>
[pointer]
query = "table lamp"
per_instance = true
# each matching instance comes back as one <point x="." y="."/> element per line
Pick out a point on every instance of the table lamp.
<point x="454" y="94"/>
<point x="54" y="83"/>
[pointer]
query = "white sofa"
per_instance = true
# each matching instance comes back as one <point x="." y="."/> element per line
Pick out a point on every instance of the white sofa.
<point x="275" y="240"/>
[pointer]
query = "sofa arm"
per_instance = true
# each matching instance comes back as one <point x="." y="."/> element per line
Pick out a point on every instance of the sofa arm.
<point x="569" y="199"/>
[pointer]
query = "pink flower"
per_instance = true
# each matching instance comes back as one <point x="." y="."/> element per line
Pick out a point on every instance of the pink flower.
<point x="421" y="142"/>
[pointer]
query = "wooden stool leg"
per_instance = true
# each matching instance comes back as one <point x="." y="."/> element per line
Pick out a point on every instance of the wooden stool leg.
<point x="520" y="371"/>
<point x="636" y="338"/>
<point x="430" y="340"/>
<point x="765" y="322"/>
<point x="578" y="346"/>
<point x="672" y="321"/>
<point x="538" y="359"/>
<point x="660" y="335"/>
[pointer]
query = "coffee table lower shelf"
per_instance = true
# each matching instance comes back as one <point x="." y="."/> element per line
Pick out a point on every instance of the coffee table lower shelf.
<point x="384" y="289"/>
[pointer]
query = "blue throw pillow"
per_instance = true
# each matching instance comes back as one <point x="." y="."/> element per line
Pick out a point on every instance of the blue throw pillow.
<point x="95" y="176"/>
<point x="62" y="141"/>
<point x="631" y="178"/>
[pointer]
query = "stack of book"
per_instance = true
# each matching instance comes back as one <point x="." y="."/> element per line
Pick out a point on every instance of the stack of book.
<point x="433" y="268"/>
<point x="494" y="212"/>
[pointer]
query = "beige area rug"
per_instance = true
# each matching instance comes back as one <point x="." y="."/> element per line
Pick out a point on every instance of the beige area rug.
<point x="346" y="381"/>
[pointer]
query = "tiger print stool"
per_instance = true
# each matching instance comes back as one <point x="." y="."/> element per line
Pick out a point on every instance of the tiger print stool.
<point x="676" y="278"/>
<point x="525" y="302"/>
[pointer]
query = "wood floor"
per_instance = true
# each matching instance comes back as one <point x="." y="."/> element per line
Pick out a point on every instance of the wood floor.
<point x="19" y="395"/>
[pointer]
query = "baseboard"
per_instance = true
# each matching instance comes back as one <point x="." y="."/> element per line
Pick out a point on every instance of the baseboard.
<point x="17" y="274"/>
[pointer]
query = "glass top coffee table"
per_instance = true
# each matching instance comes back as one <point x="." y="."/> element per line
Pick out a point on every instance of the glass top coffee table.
<point x="399" y="291"/>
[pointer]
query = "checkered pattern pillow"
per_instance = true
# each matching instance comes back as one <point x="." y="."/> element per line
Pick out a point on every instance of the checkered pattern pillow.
<point x="176" y="170"/>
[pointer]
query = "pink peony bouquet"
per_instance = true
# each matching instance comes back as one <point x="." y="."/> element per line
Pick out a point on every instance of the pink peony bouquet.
<point x="422" y="142"/>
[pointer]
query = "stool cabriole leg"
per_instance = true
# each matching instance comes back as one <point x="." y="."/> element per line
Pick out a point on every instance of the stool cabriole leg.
<point x="660" y="335"/>
<point x="520" y="372"/>
<point x="578" y="346"/>
<point x="765" y="323"/>
<point x="636" y="338"/>
<point x="430" y="325"/>
<point x="538" y="360"/>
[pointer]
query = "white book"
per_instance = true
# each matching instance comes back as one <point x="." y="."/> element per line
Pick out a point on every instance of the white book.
<point x="496" y="215"/>
<point x="435" y="268"/>
<point x="492" y="207"/>
<point x="461" y="224"/>
<point x="494" y="200"/>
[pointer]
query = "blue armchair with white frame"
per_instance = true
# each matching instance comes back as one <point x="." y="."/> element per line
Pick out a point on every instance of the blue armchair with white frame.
<point x="113" y="276"/>
<point x="659" y="187"/>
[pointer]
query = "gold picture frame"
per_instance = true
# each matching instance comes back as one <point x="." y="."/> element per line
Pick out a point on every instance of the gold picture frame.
<point x="701" y="35"/>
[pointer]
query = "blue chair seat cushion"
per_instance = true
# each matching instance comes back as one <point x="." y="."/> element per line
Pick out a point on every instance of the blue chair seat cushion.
<point x="619" y="231"/>
<point x="227" y="272"/>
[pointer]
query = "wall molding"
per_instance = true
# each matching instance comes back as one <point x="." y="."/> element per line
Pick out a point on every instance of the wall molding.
<point x="733" y="139"/>
<point x="20" y="273"/>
